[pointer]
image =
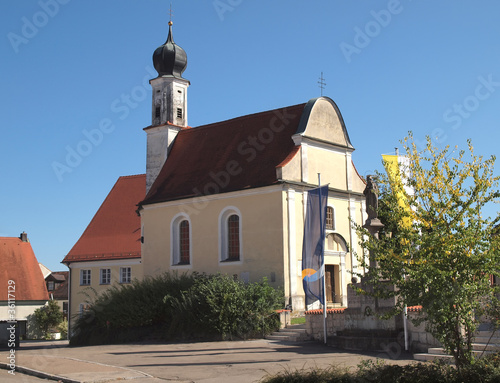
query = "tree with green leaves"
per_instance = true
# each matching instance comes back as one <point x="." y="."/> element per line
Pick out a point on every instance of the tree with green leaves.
<point x="437" y="248"/>
<point x="48" y="316"/>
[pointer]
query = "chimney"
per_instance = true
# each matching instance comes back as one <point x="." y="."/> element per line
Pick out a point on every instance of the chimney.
<point x="24" y="237"/>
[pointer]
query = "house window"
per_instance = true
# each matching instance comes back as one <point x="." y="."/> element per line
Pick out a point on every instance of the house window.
<point x="84" y="307"/>
<point x="181" y="240"/>
<point x="50" y="285"/>
<point x="125" y="274"/>
<point x="105" y="276"/>
<point x="230" y="235"/>
<point x="330" y="219"/>
<point x="84" y="277"/>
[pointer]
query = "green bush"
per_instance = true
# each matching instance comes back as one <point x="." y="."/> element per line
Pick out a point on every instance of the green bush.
<point x="219" y="305"/>
<point x="170" y="306"/>
<point x="48" y="317"/>
<point x="63" y="329"/>
<point x="484" y="370"/>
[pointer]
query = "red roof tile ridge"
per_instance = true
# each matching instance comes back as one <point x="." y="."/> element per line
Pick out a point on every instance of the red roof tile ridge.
<point x="106" y="256"/>
<point x="72" y="255"/>
<point x="244" y="117"/>
<point x="289" y="158"/>
<point x="95" y="217"/>
<point x="134" y="176"/>
<point x="338" y="310"/>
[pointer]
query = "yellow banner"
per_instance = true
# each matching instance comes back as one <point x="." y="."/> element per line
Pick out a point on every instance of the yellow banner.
<point x="391" y="164"/>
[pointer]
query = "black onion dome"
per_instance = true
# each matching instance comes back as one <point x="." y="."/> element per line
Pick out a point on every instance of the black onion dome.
<point x="170" y="59"/>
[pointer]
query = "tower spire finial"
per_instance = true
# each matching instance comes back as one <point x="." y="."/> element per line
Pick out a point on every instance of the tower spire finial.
<point x="170" y="14"/>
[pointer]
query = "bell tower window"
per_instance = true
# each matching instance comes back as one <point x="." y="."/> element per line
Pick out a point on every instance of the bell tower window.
<point x="179" y="113"/>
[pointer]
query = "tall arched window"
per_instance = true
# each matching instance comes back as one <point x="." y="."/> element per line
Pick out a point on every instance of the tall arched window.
<point x="330" y="218"/>
<point x="184" y="242"/>
<point x="233" y="238"/>
<point x="230" y="244"/>
<point x="180" y="240"/>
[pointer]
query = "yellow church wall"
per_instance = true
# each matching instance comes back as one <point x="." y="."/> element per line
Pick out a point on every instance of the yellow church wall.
<point x="292" y="171"/>
<point x="331" y="165"/>
<point x="261" y="218"/>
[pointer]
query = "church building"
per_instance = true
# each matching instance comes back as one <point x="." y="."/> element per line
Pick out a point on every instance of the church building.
<point x="226" y="197"/>
<point x="230" y="196"/>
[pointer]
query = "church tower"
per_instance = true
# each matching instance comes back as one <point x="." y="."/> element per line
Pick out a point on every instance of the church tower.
<point x="169" y="109"/>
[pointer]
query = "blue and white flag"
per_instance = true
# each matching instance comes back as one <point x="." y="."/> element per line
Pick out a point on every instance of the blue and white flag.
<point x="313" y="245"/>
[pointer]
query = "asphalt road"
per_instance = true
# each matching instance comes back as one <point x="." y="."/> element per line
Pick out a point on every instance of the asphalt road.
<point x="204" y="362"/>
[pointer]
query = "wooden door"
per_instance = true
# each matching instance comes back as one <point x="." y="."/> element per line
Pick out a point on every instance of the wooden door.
<point x="330" y="283"/>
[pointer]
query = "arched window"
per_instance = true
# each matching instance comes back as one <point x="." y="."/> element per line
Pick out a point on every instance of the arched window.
<point x="184" y="242"/>
<point x="330" y="218"/>
<point x="336" y="243"/>
<point x="230" y="244"/>
<point x="181" y="240"/>
<point x="233" y="238"/>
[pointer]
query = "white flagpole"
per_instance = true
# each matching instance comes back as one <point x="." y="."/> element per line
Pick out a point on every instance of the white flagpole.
<point x="323" y="267"/>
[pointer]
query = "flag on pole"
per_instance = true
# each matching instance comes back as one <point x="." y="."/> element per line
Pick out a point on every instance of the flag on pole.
<point x="396" y="169"/>
<point x="313" y="245"/>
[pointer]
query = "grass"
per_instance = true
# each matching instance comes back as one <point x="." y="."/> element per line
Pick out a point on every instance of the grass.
<point x="299" y="320"/>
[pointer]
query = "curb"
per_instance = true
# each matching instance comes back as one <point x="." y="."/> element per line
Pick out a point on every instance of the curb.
<point x="38" y="374"/>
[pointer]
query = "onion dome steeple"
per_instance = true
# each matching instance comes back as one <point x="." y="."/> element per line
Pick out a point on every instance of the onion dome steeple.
<point x="169" y="59"/>
<point x="169" y="112"/>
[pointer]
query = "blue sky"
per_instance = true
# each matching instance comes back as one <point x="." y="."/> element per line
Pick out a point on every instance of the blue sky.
<point x="66" y="66"/>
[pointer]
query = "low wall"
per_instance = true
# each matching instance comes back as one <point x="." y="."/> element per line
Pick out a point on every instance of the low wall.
<point x="342" y="322"/>
<point x="421" y="340"/>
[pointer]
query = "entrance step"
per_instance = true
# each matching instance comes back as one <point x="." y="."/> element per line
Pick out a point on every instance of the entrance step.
<point x="292" y="333"/>
<point x="485" y="342"/>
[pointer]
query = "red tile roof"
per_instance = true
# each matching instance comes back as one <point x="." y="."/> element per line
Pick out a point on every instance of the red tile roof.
<point x="339" y="310"/>
<point x="19" y="264"/>
<point x="115" y="230"/>
<point x="226" y="156"/>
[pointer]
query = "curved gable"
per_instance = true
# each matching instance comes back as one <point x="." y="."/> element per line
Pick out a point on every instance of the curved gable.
<point x="321" y="120"/>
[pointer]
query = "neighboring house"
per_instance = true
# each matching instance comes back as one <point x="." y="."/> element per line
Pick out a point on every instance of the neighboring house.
<point x="58" y="289"/>
<point x="23" y="287"/>
<point x="230" y="196"/>
<point x="109" y="250"/>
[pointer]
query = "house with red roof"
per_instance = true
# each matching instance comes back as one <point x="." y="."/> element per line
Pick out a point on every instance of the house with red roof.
<point x="231" y="196"/>
<point x="23" y="289"/>
<point x="109" y="250"/>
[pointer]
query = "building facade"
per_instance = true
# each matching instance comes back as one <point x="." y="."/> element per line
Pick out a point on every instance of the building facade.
<point x="230" y="197"/>
<point x="109" y="250"/>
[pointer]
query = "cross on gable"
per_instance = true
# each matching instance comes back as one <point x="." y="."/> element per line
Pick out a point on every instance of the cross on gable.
<point x="321" y="83"/>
